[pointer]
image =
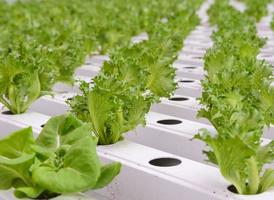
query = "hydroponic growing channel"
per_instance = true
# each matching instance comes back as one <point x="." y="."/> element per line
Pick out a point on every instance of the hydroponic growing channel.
<point x="137" y="100"/>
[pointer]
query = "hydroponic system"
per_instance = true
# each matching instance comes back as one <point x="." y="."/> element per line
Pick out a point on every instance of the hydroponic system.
<point x="137" y="99"/>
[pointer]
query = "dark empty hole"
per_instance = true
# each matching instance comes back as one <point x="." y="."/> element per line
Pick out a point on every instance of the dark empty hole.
<point x="69" y="99"/>
<point x="198" y="57"/>
<point x="232" y="189"/>
<point x="7" y="112"/>
<point x="165" y="162"/>
<point x="190" y="67"/>
<point x="169" y="121"/>
<point x="42" y="125"/>
<point x="88" y="63"/>
<point x="186" y="81"/>
<point x="178" y="99"/>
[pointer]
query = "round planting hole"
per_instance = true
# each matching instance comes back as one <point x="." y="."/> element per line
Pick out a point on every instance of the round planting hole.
<point x="178" y="99"/>
<point x="169" y="122"/>
<point x="42" y="126"/>
<point x="7" y="112"/>
<point x="186" y="81"/>
<point x="165" y="162"/>
<point x="232" y="189"/>
<point x="69" y="99"/>
<point x="190" y="67"/>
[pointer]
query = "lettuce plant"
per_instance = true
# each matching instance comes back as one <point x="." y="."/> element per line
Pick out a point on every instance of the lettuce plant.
<point x="256" y="9"/>
<point x="136" y="76"/>
<point x="62" y="160"/>
<point x="53" y="38"/>
<point x="42" y="51"/>
<point x="111" y="112"/>
<point x="238" y="100"/>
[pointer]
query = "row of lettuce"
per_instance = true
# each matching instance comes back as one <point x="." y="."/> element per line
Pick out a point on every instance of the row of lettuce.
<point x="238" y="100"/>
<point x="43" y="42"/>
<point x="256" y="9"/>
<point x="63" y="159"/>
<point x="136" y="76"/>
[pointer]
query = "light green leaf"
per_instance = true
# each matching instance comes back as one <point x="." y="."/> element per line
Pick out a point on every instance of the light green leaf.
<point x="108" y="173"/>
<point x="56" y="129"/>
<point x="17" y="143"/>
<point x="80" y="169"/>
<point x="267" y="180"/>
<point x="25" y="192"/>
<point x="16" y="157"/>
<point x="99" y="106"/>
<point x="13" y="169"/>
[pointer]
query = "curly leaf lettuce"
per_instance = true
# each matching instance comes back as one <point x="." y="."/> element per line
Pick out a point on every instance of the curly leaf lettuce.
<point x="238" y="100"/>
